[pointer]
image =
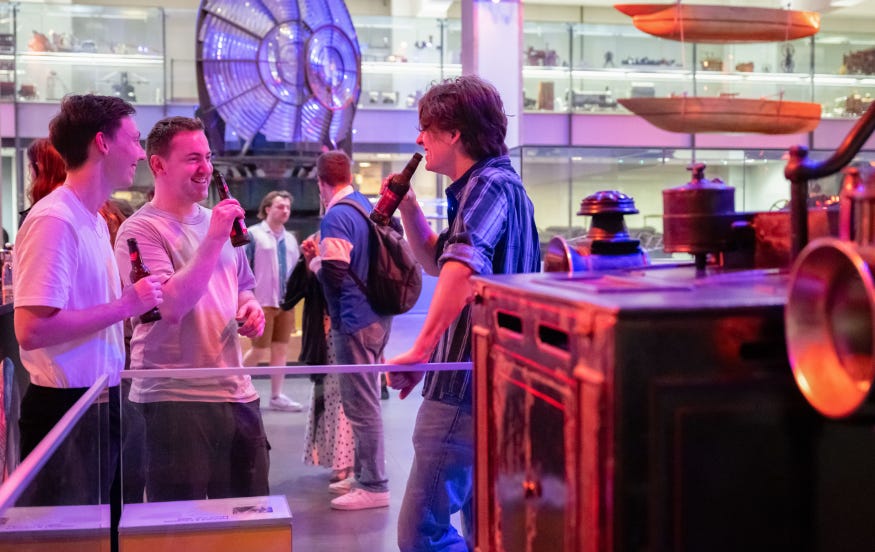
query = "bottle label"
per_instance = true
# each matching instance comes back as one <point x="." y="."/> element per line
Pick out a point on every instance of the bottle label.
<point x="388" y="202"/>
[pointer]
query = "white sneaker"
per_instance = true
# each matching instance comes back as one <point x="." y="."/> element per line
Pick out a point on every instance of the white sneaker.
<point x="341" y="487"/>
<point x="285" y="404"/>
<point x="360" y="499"/>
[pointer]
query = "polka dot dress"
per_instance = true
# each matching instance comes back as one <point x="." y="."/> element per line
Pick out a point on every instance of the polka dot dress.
<point x="329" y="436"/>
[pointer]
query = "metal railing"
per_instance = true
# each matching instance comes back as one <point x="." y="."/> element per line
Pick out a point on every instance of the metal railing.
<point x="28" y="469"/>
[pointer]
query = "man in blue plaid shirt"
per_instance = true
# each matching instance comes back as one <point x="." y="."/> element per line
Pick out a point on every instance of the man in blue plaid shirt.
<point x="491" y="230"/>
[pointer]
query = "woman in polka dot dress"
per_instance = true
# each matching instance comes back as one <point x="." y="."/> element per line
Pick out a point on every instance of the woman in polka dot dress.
<point x="329" y="441"/>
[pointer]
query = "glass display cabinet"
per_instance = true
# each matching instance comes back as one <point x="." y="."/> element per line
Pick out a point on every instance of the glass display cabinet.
<point x="7" y="53"/>
<point x="401" y="57"/>
<point x="618" y="61"/>
<point x="772" y="71"/>
<point x="844" y="73"/>
<point x="75" y="48"/>
<point x="586" y="67"/>
<point x="546" y="58"/>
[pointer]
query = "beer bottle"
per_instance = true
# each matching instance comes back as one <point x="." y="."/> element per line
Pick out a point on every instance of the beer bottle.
<point x="395" y="192"/>
<point x="239" y="233"/>
<point x="138" y="271"/>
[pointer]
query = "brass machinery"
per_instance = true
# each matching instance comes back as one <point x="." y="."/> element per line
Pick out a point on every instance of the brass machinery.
<point x="654" y="407"/>
<point x="606" y="245"/>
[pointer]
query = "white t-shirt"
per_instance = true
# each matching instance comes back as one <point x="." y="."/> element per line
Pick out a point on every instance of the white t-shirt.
<point x="206" y="337"/>
<point x="269" y="286"/>
<point x="74" y="269"/>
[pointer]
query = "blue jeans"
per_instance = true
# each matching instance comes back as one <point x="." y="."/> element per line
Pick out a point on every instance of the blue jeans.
<point x="360" y="396"/>
<point x="440" y="482"/>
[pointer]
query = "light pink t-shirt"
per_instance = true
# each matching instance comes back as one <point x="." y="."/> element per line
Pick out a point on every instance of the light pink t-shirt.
<point x="206" y="337"/>
<point x="74" y="269"/>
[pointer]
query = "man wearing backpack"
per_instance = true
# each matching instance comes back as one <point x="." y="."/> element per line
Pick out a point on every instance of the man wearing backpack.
<point x="358" y="333"/>
<point x="491" y="230"/>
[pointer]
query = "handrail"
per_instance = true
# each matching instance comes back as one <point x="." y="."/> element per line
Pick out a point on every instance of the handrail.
<point x="800" y="170"/>
<point x="304" y="369"/>
<point x="27" y="470"/>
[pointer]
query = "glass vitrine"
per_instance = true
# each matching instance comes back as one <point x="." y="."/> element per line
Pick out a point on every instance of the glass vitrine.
<point x="76" y="48"/>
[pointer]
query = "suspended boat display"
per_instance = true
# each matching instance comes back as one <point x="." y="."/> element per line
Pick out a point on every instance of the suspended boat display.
<point x="721" y="24"/>
<point x="689" y="114"/>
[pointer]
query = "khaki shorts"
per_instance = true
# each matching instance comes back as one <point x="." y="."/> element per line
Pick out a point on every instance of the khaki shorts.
<point x="278" y="326"/>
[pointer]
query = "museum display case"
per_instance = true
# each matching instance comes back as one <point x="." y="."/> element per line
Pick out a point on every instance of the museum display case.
<point x="75" y="48"/>
<point x="591" y="65"/>
<point x="7" y="53"/>
<point x="402" y="56"/>
<point x="558" y="178"/>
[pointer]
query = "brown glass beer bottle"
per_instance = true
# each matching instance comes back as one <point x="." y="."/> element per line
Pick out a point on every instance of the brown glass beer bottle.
<point x="239" y="232"/>
<point x="395" y="192"/>
<point x="138" y="271"/>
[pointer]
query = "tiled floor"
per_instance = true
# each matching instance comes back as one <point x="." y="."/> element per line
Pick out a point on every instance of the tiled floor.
<point x="316" y="527"/>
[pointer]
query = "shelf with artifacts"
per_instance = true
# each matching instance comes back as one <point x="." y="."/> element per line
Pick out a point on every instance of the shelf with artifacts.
<point x="48" y="76"/>
<point x="7" y="53"/>
<point x="610" y="61"/>
<point x="402" y="56"/>
<point x="721" y="100"/>
<point x="61" y="49"/>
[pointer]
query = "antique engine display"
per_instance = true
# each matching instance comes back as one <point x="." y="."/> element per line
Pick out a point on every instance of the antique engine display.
<point x="698" y="216"/>
<point x="655" y="408"/>
<point x="606" y="245"/>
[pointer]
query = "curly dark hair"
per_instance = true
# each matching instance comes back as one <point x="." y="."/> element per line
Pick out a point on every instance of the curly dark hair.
<point x="80" y="119"/>
<point x="471" y="106"/>
<point x="158" y="141"/>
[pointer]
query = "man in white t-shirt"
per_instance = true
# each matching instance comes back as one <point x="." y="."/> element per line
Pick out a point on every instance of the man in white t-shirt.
<point x="272" y="255"/>
<point x="205" y="436"/>
<point x="69" y="305"/>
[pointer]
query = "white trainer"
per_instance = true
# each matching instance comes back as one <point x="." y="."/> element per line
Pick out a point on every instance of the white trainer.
<point x="341" y="487"/>
<point x="360" y="499"/>
<point x="285" y="404"/>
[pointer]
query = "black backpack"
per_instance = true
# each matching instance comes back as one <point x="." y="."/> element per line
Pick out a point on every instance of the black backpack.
<point x="394" y="274"/>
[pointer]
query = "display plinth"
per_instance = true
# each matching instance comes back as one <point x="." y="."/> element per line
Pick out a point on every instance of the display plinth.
<point x="55" y="529"/>
<point x="261" y="523"/>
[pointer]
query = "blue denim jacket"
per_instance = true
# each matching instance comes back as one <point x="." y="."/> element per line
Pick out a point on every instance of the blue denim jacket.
<point x="491" y="228"/>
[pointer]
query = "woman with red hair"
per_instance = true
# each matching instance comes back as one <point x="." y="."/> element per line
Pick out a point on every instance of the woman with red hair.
<point x="47" y="171"/>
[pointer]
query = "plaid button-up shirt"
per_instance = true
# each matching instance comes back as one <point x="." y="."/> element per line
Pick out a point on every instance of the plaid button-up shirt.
<point x="491" y="230"/>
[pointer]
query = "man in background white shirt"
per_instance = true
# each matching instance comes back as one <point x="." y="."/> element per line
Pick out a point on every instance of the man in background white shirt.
<point x="272" y="255"/>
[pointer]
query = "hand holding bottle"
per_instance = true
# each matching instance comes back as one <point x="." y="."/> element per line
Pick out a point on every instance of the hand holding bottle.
<point x="143" y="295"/>
<point x="394" y="189"/>
<point x="224" y="214"/>
<point x="239" y="233"/>
<point x="140" y="272"/>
